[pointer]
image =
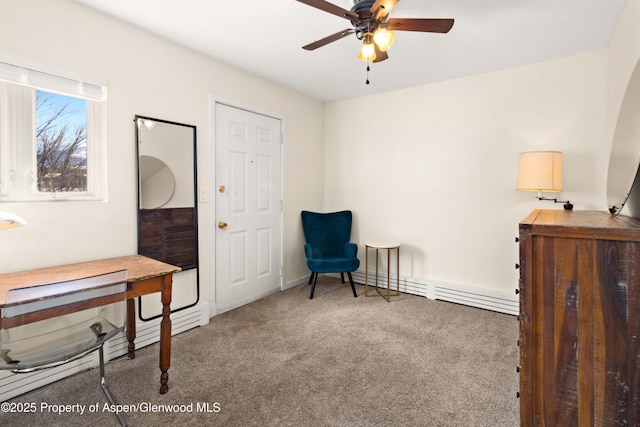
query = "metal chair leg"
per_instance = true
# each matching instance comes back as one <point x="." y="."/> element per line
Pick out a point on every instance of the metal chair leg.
<point x="103" y="383"/>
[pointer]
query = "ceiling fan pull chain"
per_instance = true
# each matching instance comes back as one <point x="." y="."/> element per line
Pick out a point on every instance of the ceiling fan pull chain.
<point x="367" y="72"/>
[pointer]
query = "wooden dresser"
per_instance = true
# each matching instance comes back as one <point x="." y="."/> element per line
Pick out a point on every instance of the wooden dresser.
<point x="579" y="319"/>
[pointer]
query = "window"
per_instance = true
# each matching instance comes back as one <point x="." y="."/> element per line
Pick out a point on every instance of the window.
<point x="52" y="127"/>
<point x="61" y="143"/>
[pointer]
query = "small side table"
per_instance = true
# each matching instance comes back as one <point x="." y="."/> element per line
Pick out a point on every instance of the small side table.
<point x="388" y="247"/>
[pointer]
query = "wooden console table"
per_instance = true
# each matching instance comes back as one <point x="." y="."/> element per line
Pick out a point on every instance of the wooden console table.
<point x="145" y="276"/>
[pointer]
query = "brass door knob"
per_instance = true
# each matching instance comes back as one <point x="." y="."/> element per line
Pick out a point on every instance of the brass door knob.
<point x="222" y="225"/>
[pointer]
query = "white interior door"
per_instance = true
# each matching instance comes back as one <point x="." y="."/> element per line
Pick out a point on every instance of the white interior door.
<point x="248" y="223"/>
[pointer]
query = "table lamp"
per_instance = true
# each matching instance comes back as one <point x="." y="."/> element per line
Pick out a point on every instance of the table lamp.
<point x="541" y="172"/>
<point x="9" y="220"/>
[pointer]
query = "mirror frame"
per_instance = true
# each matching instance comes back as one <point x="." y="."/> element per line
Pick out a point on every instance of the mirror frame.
<point x="196" y="263"/>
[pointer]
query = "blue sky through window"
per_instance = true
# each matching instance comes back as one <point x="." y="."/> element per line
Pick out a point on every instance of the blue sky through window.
<point x="75" y="111"/>
<point x="61" y="142"/>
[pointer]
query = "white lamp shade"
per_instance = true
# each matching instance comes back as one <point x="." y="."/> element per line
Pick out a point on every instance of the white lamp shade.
<point x="540" y="171"/>
<point x="9" y="220"/>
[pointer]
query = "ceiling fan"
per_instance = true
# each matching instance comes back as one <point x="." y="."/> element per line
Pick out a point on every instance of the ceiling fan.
<point x="372" y="25"/>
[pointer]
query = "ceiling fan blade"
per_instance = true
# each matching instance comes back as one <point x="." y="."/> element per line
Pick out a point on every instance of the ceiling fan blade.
<point x="426" y="25"/>
<point x="331" y="8"/>
<point x="380" y="55"/>
<point x="329" y="39"/>
<point x="381" y="8"/>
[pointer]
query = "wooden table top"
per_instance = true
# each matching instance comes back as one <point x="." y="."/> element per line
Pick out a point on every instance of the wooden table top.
<point x="582" y="224"/>
<point x="137" y="266"/>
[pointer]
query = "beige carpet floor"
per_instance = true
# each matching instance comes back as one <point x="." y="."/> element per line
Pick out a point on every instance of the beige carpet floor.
<point x="335" y="360"/>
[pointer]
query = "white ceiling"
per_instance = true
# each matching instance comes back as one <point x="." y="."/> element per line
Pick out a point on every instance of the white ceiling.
<point x="265" y="38"/>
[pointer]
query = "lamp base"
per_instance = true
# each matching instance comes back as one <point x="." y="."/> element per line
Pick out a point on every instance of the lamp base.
<point x="568" y="206"/>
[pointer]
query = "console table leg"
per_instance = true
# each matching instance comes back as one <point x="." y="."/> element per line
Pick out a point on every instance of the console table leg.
<point x="165" y="334"/>
<point x="131" y="327"/>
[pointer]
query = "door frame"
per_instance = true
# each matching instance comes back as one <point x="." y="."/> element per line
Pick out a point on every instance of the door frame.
<point x="211" y="210"/>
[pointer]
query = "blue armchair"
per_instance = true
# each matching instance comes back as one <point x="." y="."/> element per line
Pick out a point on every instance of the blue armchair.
<point x="328" y="249"/>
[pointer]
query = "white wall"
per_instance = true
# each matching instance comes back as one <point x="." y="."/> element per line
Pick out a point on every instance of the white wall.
<point x="623" y="55"/>
<point x="155" y="78"/>
<point x="434" y="167"/>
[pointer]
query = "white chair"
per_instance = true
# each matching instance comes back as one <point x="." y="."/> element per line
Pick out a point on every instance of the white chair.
<point x="34" y="336"/>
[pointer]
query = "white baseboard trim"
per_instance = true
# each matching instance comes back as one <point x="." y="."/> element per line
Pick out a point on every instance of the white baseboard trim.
<point x="147" y="333"/>
<point x="488" y="299"/>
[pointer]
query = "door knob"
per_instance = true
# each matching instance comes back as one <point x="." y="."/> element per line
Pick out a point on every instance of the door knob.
<point x="222" y="225"/>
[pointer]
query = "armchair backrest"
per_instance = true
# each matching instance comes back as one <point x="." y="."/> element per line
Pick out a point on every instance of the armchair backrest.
<point x="327" y="233"/>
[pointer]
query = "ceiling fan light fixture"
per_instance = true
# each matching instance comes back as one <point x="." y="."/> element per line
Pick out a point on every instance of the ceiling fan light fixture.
<point x="383" y="38"/>
<point x="367" y="50"/>
<point x="371" y="25"/>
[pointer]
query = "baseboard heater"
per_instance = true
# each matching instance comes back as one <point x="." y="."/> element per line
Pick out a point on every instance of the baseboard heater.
<point x="147" y="333"/>
<point x="487" y="299"/>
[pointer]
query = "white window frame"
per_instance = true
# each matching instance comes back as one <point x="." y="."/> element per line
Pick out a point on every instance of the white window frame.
<point x="18" y="82"/>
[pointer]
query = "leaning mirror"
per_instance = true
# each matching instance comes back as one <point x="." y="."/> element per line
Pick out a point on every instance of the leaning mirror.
<point x="625" y="151"/>
<point x="167" y="208"/>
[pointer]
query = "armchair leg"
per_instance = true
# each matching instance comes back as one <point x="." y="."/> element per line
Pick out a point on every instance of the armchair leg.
<point x="313" y="285"/>
<point x="353" y="288"/>
<point x="312" y="276"/>
<point x="342" y="277"/>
